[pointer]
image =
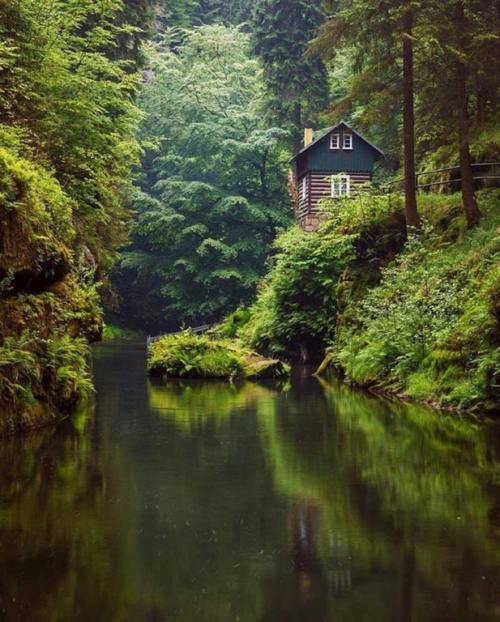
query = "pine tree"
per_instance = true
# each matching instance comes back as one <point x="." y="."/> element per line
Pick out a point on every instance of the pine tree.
<point x="459" y="87"/>
<point x="411" y="212"/>
<point x="381" y="39"/>
<point x="221" y="11"/>
<point x="296" y="81"/>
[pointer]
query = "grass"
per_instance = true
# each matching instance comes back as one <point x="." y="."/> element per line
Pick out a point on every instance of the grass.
<point x="187" y="355"/>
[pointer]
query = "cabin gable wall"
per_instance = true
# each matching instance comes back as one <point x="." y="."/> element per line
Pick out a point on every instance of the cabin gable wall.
<point x="316" y="165"/>
<point x="360" y="158"/>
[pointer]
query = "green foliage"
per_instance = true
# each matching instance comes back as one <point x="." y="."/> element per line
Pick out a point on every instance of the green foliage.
<point x="430" y="328"/>
<point x="33" y="192"/>
<point x="296" y="304"/>
<point x="74" y="105"/>
<point x="67" y="144"/>
<point x="221" y="11"/>
<point x="297" y="83"/>
<point x="419" y="318"/>
<point x="213" y="186"/>
<point x="200" y="356"/>
<point x="114" y="333"/>
<point x="32" y="367"/>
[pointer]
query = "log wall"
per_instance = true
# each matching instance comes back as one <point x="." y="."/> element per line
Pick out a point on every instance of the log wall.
<point x="319" y="187"/>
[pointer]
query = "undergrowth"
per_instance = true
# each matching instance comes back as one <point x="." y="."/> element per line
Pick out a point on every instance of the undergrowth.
<point x="186" y="355"/>
<point x="430" y="328"/>
<point x="32" y="368"/>
<point x="416" y="316"/>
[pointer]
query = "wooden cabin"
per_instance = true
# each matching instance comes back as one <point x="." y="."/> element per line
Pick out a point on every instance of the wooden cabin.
<point x="334" y="164"/>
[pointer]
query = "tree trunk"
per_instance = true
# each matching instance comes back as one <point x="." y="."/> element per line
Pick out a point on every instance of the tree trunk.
<point x="411" y="213"/>
<point x="297" y="127"/>
<point x="471" y="209"/>
<point x="264" y="193"/>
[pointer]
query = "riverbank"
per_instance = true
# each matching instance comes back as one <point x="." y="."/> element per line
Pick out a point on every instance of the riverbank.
<point x="417" y="318"/>
<point x="49" y="303"/>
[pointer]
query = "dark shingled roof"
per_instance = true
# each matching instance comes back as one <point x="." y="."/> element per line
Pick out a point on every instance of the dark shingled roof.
<point x="331" y="129"/>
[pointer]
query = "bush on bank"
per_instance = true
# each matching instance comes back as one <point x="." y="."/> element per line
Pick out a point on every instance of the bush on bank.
<point x="418" y="317"/>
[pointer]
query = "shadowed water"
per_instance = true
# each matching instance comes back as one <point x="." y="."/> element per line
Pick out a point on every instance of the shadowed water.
<point x="207" y="502"/>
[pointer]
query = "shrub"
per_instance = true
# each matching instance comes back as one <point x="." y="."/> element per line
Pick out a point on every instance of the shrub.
<point x="296" y="302"/>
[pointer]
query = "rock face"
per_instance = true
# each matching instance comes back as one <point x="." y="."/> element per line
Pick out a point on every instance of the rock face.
<point x="48" y="307"/>
<point x="186" y="355"/>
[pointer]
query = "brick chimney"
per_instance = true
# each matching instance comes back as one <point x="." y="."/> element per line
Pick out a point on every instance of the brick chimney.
<point x="308" y="136"/>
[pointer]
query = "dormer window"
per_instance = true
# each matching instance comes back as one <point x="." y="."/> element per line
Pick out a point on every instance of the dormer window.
<point x="348" y="141"/>
<point x="335" y="141"/>
<point x="341" y="186"/>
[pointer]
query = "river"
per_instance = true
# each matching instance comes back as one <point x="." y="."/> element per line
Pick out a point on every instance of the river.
<point x="211" y="502"/>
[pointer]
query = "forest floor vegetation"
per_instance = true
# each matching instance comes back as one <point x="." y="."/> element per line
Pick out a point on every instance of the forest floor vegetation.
<point x="416" y="316"/>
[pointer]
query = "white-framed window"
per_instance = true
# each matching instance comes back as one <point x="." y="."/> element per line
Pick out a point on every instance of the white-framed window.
<point x="348" y="141"/>
<point x="335" y="141"/>
<point x="303" y="188"/>
<point x="341" y="186"/>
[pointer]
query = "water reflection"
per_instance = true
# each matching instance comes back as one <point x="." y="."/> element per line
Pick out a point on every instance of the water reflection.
<point x="410" y="522"/>
<point x="58" y="561"/>
<point x="217" y="503"/>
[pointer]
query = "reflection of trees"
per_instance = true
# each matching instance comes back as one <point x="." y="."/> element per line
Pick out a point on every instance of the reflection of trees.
<point x="193" y="404"/>
<point x="209" y="502"/>
<point x="57" y="560"/>
<point x="403" y="493"/>
<point x="209" y="509"/>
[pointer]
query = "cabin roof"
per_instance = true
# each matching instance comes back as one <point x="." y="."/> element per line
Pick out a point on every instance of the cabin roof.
<point x="329" y="131"/>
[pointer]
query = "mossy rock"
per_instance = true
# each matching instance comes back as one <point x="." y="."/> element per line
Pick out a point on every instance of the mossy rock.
<point x="257" y="367"/>
<point x="186" y="355"/>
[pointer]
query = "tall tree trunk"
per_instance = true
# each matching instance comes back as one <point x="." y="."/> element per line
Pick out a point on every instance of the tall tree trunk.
<point x="297" y="127"/>
<point x="411" y="213"/>
<point x="471" y="209"/>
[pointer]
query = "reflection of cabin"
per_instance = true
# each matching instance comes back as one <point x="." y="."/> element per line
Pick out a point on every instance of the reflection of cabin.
<point x="334" y="164"/>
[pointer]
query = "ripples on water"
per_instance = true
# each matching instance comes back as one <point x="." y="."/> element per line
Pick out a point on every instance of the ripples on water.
<point x="207" y="502"/>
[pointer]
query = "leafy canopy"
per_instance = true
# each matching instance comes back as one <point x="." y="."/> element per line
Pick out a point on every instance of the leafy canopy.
<point x="211" y="195"/>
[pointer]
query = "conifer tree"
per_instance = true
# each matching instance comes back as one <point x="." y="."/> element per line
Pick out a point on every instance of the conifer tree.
<point x="221" y="11"/>
<point x="296" y="82"/>
<point x="382" y="39"/>
<point x="411" y="212"/>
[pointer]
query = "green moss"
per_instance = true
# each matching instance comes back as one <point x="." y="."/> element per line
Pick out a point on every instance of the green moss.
<point x="186" y="355"/>
<point x="114" y="333"/>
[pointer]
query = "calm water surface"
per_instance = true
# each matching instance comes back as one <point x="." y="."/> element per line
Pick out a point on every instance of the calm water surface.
<point x="205" y="502"/>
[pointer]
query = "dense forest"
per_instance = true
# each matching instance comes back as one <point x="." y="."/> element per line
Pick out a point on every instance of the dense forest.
<point x="145" y="150"/>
